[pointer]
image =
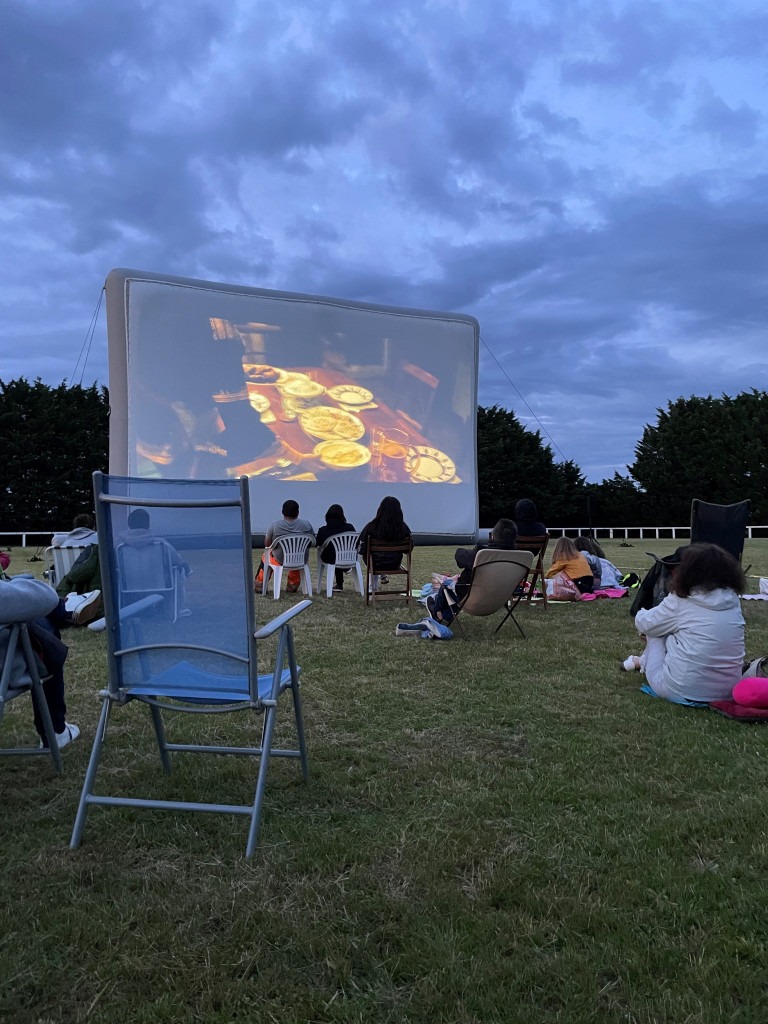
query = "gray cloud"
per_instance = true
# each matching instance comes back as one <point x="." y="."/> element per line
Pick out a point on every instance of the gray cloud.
<point x="587" y="180"/>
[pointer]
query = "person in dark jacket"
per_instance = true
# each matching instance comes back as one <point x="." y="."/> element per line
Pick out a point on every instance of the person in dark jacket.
<point x="502" y="536"/>
<point x="335" y="522"/>
<point x="387" y="527"/>
<point x="526" y="521"/>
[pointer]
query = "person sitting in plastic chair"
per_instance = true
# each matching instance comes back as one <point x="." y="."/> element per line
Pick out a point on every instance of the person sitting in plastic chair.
<point x="288" y="525"/>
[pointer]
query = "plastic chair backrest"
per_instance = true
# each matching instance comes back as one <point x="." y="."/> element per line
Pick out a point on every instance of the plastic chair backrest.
<point x="345" y="546"/>
<point x="294" y="548"/>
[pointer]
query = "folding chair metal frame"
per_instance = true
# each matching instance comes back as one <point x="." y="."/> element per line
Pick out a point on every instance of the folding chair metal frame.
<point x="181" y="682"/>
<point x="18" y="640"/>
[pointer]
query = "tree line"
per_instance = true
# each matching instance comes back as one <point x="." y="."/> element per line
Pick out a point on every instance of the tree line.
<point x="53" y="438"/>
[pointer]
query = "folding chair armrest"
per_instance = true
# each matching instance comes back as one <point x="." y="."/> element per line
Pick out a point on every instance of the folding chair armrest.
<point x="142" y="605"/>
<point x="281" y="620"/>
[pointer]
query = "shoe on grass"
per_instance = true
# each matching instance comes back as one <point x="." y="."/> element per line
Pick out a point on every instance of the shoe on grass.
<point x="631" y="664"/>
<point x="98" y="625"/>
<point x="63" y="739"/>
<point x="88" y="609"/>
<point x="409" y="629"/>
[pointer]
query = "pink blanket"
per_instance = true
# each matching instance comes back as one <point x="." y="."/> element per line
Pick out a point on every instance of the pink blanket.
<point x="607" y="592"/>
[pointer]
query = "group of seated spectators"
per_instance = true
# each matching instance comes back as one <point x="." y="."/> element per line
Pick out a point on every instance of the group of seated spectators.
<point x="388" y="526"/>
<point x="694" y="637"/>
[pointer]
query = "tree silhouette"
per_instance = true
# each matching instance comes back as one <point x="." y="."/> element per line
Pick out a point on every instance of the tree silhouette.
<point x="52" y="440"/>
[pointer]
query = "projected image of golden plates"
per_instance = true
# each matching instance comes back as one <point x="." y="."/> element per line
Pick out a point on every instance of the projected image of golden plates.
<point x="343" y="454"/>
<point x="429" y="465"/>
<point x="328" y="423"/>
<point x="350" y="394"/>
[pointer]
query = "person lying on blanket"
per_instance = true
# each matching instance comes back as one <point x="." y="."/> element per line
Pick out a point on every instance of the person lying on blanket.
<point x="503" y="535"/>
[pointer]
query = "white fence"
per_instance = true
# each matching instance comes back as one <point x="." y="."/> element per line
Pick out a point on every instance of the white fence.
<point x="643" y="532"/>
<point x="42" y="538"/>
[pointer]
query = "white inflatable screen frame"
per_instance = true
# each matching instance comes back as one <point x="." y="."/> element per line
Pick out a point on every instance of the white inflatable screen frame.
<point x="197" y="383"/>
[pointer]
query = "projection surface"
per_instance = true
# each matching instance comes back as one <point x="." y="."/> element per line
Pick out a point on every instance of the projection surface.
<point x="312" y="398"/>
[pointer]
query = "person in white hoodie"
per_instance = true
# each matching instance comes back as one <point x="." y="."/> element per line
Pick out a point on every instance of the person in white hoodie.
<point x="695" y="638"/>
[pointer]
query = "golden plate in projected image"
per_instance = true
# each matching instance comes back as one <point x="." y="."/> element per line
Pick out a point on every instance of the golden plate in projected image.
<point x="327" y="423"/>
<point x="342" y="454"/>
<point x="350" y="394"/>
<point x="429" y="465"/>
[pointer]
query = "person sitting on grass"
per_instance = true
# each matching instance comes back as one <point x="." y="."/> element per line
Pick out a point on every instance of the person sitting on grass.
<point x="502" y="536"/>
<point x="694" y="648"/>
<point x="288" y="526"/>
<point x="387" y="527"/>
<point x="34" y="602"/>
<point x="569" y="564"/>
<point x="83" y="582"/>
<point x="335" y="523"/>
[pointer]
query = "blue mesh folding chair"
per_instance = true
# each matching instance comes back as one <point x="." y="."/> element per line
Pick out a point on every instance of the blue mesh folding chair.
<point x="204" y="662"/>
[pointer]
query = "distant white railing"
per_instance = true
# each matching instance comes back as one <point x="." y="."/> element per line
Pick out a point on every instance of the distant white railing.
<point x="15" y="538"/>
<point x="642" y="532"/>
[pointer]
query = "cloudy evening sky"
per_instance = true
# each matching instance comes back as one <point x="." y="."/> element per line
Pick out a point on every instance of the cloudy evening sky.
<point x="589" y="178"/>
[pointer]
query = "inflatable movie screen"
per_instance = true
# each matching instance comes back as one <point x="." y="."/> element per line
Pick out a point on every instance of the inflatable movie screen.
<point x="311" y="398"/>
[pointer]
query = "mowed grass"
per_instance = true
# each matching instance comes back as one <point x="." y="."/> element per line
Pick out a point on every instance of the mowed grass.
<point x="495" y="830"/>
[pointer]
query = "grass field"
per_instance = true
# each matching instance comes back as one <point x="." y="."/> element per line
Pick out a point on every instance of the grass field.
<point x="495" y="830"/>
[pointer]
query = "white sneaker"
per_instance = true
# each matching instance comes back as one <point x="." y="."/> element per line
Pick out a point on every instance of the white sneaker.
<point x="63" y="739"/>
<point x="98" y="626"/>
<point x="88" y="609"/>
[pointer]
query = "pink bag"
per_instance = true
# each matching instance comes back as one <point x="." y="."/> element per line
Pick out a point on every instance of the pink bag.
<point x="564" y="589"/>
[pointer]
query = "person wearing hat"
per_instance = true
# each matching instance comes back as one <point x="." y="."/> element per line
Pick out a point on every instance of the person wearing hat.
<point x="695" y="637"/>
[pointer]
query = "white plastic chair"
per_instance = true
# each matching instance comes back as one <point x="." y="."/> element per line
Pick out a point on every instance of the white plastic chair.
<point x="294" y="549"/>
<point x="345" y="546"/>
<point x="61" y="561"/>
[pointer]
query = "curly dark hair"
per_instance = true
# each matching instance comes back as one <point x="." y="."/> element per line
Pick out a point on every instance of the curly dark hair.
<point x="707" y="567"/>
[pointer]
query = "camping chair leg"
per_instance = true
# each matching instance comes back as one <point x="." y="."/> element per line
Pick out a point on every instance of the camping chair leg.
<point x="157" y="721"/>
<point x="297" y="707"/>
<point x="270" y="714"/>
<point x="509" y="615"/>
<point x="90" y="775"/>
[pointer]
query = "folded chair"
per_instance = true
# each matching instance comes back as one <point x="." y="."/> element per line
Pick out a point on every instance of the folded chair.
<point x="537" y="584"/>
<point x="294" y="547"/>
<point x="205" y="663"/>
<point x="24" y="677"/>
<point x="347" y="557"/>
<point x="402" y="586"/>
<point x="724" y="525"/>
<point x="496" y="584"/>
